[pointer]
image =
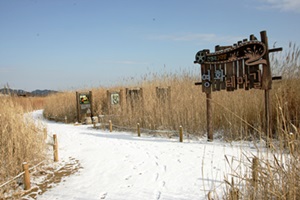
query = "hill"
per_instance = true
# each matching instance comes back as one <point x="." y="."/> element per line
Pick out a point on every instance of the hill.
<point x="19" y="92"/>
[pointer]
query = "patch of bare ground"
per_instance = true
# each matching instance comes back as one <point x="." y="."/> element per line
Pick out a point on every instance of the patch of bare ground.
<point x="42" y="179"/>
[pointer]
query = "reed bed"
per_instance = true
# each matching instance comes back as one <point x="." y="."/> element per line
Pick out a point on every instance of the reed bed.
<point x="30" y="103"/>
<point x="276" y="174"/>
<point x="60" y="105"/>
<point x="21" y="139"/>
<point x="236" y="115"/>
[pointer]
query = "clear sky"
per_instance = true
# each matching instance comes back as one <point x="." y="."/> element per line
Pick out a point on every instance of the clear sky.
<point x="73" y="44"/>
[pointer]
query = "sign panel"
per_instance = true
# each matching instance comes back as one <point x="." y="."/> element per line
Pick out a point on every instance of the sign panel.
<point x="84" y="99"/>
<point x="85" y="103"/>
<point x="134" y="98"/>
<point x="251" y="52"/>
<point x="238" y="66"/>
<point x="114" y="98"/>
<point x="163" y="95"/>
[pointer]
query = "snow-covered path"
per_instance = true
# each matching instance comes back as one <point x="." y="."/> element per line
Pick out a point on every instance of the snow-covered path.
<point x="120" y="165"/>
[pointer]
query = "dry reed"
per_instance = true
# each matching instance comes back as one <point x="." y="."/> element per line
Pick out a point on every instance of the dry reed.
<point x="278" y="170"/>
<point x="21" y="139"/>
<point x="236" y="115"/>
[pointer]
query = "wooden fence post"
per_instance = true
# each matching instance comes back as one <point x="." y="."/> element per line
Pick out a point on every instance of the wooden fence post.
<point x="66" y="119"/>
<point x="26" y="176"/>
<point x="55" y="148"/>
<point x="78" y="108"/>
<point x="138" y="130"/>
<point x="180" y="134"/>
<point x="110" y="125"/>
<point x="255" y="172"/>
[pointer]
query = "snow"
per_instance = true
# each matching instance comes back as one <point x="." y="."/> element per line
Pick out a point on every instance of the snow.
<point x="120" y="165"/>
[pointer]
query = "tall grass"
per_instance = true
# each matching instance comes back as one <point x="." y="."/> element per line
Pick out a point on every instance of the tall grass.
<point x="278" y="171"/>
<point x="188" y="106"/>
<point x="236" y="115"/>
<point x="29" y="103"/>
<point x="60" y="105"/>
<point x="21" y="140"/>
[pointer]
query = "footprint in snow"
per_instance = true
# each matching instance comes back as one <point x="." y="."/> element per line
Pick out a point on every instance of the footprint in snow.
<point x="156" y="178"/>
<point x="158" y="194"/>
<point x="103" y="196"/>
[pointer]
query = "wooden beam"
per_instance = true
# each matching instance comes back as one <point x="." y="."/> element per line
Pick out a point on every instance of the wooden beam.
<point x="275" y="50"/>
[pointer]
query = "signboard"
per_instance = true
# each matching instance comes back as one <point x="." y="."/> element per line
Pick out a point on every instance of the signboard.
<point x="114" y="102"/>
<point x="84" y="101"/>
<point x="238" y="66"/>
<point x="134" y="98"/>
<point x="115" y="98"/>
<point x="243" y="65"/>
<point x="84" y="105"/>
<point x="163" y="95"/>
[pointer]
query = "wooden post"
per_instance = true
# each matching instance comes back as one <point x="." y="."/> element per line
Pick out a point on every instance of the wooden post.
<point x="55" y="148"/>
<point x="267" y="116"/>
<point x="170" y="110"/>
<point x="127" y="100"/>
<point x="255" y="172"/>
<point x="66" y="119"/>
<point x="267" y="86"/>
<point x="26" y="176"/>
<point x="91" y="103"/>
<point x="210" y="136"/>
<point x="78" y="108"/>
<point x="110" y="126"/>
<point x="142" y="108"/>
<point x="108" y="101"/>
<point x="122" y="102"/>
<point x="180" y="134"/>
<point x="138" y="130"/>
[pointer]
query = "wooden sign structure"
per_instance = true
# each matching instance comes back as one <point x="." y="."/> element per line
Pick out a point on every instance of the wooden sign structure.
<point x="114" y="100"/>
<point x="135" y="101"/>
<point x="163" y="103"/>
<point x="84" y="102"/>
<point x="134" y="98"/>
<point x="244" y="65"/>
<point x="163" y="95"/>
